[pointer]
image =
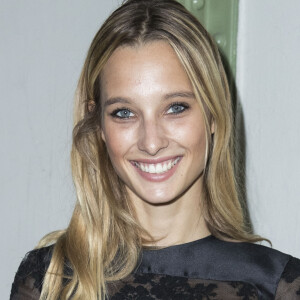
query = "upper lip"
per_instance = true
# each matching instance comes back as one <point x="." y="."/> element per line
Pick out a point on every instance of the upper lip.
<point x="156" y="160"/>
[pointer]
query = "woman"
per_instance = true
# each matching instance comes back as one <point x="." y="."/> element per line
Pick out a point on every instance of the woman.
<point x="157" y="213"/>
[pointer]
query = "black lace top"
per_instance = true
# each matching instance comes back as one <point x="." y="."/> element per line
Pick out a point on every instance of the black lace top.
<point x="204" y="269"/>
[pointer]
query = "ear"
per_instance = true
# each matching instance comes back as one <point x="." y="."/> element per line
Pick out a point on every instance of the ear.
<point x="91" y="105"/>
<point x="212" y="127"/>
<point x="103" y="136"/>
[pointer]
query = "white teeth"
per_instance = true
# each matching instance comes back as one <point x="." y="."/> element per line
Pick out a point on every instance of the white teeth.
<point x="165" y="167"/>
<point x="142" y="167"/>
<point x="157" y="168"/>
<point x="169" y="165"/>
<point x="151" y="169"/>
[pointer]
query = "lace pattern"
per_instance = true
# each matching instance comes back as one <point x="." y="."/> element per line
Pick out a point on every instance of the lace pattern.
<point x="29" y="279"/>
<point x="154" y="286"/>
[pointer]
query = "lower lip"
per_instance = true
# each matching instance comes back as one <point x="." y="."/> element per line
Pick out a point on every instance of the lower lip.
<point x="158" y="177"/>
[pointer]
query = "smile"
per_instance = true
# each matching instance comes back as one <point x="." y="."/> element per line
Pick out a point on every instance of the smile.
<point x="157" y="168"/>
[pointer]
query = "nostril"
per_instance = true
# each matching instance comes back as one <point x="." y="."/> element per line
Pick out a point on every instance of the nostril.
<point x="152" y="138"/>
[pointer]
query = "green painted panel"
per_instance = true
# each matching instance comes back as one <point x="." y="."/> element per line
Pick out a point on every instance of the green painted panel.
<point x="220" y="18"/>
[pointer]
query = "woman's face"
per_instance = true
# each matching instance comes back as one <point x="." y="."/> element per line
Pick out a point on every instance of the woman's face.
<point x="152" y="125"/>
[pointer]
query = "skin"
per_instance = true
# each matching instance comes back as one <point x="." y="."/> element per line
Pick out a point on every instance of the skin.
<point x="150" y="113"/>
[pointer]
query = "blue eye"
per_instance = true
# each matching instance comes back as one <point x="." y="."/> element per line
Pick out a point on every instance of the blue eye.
<point x="177" y="108"/>
<point x="123" y="113"/>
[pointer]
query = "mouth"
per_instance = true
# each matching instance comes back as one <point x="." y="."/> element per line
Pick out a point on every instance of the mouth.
<point x="157" y="168"/>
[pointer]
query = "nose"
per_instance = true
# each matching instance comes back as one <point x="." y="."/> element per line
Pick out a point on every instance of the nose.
<point x="152" y="137"/>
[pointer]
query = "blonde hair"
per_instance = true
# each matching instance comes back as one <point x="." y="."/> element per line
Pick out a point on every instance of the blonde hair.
<point x="103" y="241"/>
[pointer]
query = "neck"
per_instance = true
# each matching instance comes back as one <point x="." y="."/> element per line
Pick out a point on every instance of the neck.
<point x="177" y="222"/>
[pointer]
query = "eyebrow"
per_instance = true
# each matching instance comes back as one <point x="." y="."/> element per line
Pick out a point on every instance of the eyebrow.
<point x="180" y="94"/>
<point x="114" y="100"/>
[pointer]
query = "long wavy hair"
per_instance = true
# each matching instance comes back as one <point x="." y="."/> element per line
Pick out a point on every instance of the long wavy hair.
<point x="103" y="241"/>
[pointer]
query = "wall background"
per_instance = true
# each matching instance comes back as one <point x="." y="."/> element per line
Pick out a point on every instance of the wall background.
<point x="43" y="45"/>
<point x="268" y="70"/>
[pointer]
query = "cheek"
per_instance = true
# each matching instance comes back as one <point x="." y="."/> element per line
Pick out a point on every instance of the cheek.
<point x="190" y="134"/>
<point x="114" y="145"/>
<point x="118" y="141"/>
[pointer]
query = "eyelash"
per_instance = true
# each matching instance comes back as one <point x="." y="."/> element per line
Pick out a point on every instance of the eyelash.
<point x="184" y="106"/>
<point x="116" y="111"/>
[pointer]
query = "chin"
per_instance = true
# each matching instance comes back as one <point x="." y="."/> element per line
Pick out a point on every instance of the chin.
<point x="158" y="197"/>
<point x="160" y="201"/>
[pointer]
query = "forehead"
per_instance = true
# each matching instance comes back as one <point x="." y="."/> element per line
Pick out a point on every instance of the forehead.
<point x="152" y="65"/>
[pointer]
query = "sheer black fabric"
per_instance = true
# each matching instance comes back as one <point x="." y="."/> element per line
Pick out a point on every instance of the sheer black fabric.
<point x="204" y="269"/>
<point x="29" y="277"/>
